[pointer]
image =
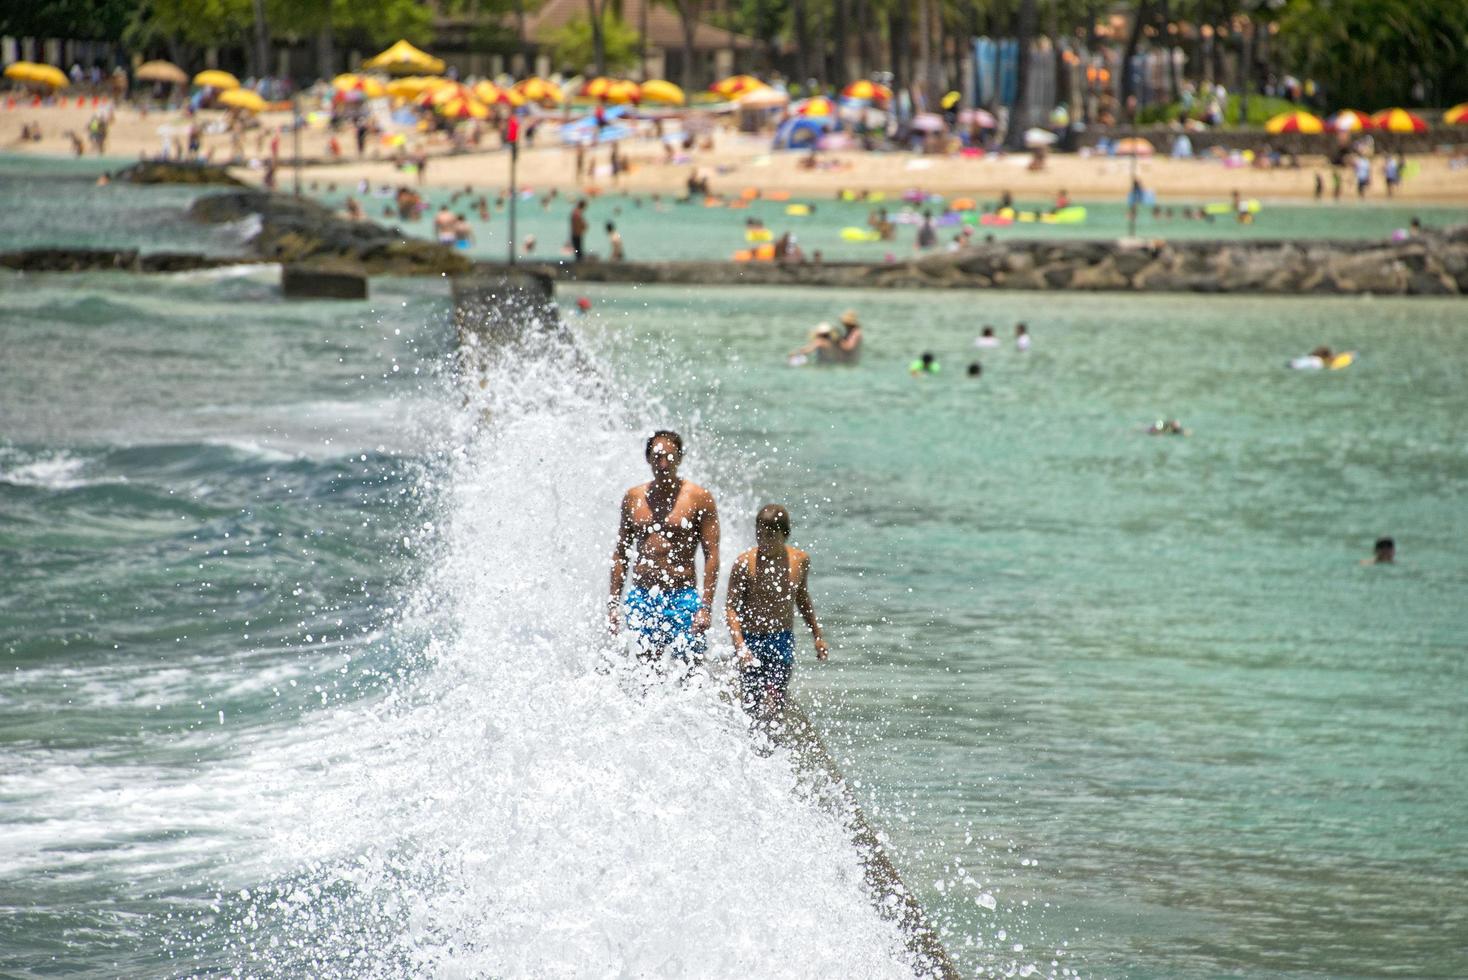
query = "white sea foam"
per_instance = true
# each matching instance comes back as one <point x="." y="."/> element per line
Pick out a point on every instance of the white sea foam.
<point x="58" y="471"/>
<point x="519" y="805"/>
<point x="526" y="812"/>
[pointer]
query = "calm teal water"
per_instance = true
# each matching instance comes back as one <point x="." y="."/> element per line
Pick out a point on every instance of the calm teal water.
<point x="300" y="648"/>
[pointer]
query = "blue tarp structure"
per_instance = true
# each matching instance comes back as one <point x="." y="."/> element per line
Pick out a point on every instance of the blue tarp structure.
<point x="996" y="71"/>
<point x="584" y="129"/>
<point x="801" y="132"/>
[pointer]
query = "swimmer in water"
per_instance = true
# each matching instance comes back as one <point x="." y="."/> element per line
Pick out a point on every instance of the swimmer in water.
<point x="766" y="585"/>
<point x="665" y="521"/>
<point x="925" y="364"/>
<point x="986" y="338"/>
<point x="1384" y="553"/>
<point x="1167" y="427"/>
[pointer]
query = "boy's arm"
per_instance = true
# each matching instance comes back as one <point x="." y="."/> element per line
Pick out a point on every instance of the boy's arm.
<point x="733" y="602"/>
<point x="808" y="611"/>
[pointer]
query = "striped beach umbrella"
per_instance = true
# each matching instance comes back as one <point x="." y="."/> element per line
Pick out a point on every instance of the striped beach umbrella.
<point x="1350" y="121"/>
<point x="541" y="91"/>
<point x="1399" y="121"/>
<point x="459" y="107"/>
<point x="867" y="91"/>
<point x="622" y="91"/>
<point x="1457" y="115"/>
<point x="1294" y="122"/>
<point x="736" y="85"/>
<point x="595" y="88"/>
<point x="214" y="78"/>
<point x="661" y="92"/>
<point x="818" y="107"/>
<point x="370" y="87"/>
<point x="487" y="92"/>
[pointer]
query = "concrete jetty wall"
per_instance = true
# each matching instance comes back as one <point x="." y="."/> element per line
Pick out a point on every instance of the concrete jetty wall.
<point x="1431" y="265"/>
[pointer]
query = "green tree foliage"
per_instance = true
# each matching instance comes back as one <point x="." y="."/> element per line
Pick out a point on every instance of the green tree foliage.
<point x="1373" y="53"/>
<point x="93" y="20"/>
<point x="573" y="47"/>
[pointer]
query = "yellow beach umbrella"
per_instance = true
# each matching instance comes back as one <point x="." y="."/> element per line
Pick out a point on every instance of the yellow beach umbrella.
<point x="540" y="90"/>
<point x="1350" y="121"/>
<point x="404" y="59"/>
<point x="622" y="91"/>
<point x="20" y="70"/>
<point x="242" y="98"/>
<point x="1294" y="122"/>
<point x="662" y="92"/>
<point x="487" y="92"/>
<point x="214" y="78"/>
<point x="763" y="97"/>
<point x="1457" y="115"/>
<point x="817" y="107"/>
<point x="36" y="74"/>
<point x="412" y="86"/>
<point x="161" y="71"/>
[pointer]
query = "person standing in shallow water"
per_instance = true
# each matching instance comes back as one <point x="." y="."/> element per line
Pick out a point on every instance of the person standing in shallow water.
<point x="766" y="585"/>
<point x="665" y="521"/>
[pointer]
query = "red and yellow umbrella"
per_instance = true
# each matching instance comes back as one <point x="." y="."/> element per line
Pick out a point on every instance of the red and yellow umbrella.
<point x="370" y="87"/>
<point x="1294" y="122"/>
<point x="459" y="107"/>
<point x="541" y="91"/>
<point x="867" y="91"/>
<point x="1399" y="121"/>
<point x="623" y="91"/>
<point x="439" y="94"/>
<point x="1457" y="115"/>
<point x="488" y="92"/>
<point x="661" y="92"/>
<point x="736" y="85"/>
<point x="818" y="107"/>
<point x="1350" y="121"/>
<point x="595" y="88"/>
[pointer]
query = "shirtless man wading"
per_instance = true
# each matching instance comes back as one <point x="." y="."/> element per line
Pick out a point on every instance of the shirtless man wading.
<point x="666" y="521"/>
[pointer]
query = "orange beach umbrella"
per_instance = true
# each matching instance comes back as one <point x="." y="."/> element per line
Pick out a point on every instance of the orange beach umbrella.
<point x="622" y="91"/>
<point x="1399" y="121"/>
<point x="1457" y="115"/>
<point x="1294" y="122"/>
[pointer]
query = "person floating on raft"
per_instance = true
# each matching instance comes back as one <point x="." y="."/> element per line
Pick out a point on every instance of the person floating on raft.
<point x="1322" y="358"/>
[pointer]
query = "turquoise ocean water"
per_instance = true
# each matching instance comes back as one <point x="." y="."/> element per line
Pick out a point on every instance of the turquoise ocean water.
<point x="300" y="666"/>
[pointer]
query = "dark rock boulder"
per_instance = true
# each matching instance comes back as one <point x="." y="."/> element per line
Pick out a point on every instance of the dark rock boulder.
<point x="168" y="172"/>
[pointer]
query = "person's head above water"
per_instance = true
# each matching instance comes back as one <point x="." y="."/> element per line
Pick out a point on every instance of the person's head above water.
<point x="1386" y="550"/>
<point x="975" y="369"/>
<point x="772" y="524"/>
<point x="927" y="358"/>
<point x="664" y="451"/>
<point x="1020" y="328"/>
<point x="988" y="332"/>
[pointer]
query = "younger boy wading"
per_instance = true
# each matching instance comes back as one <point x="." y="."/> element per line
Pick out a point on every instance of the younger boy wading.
<point x="766" y="585"/>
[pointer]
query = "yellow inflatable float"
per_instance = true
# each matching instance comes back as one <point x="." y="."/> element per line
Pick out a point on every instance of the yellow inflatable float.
<point x="797" y="210"/>
<point x="855" y="234"/>
<point x="759" y="235"/>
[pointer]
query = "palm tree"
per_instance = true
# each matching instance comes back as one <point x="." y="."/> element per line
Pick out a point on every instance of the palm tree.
<point x="1024" y="32"/>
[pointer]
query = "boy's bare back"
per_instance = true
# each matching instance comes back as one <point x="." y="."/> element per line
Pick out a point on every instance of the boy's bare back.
<point x="764" y="592"/>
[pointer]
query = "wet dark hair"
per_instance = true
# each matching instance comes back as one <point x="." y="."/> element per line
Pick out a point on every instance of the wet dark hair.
<point x="975" y="369"/>
<point x="1382" y="543"/>
<point x="775" y="517"/>
<point x="668" y="434"/>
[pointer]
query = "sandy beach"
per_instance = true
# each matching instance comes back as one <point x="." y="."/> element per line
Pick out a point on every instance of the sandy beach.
<point x="735" y="162"/>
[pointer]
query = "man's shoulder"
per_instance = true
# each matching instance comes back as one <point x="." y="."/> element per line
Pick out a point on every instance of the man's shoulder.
<point x="698" y="493"/>
<point x="799" y="557"/>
